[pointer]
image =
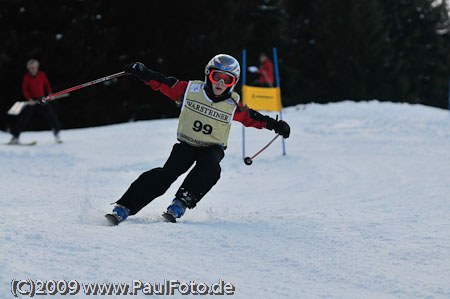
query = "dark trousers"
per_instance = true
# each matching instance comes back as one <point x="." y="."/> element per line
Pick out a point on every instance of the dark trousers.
<point x="25" y="116"/>
<point x="198" y="182"/>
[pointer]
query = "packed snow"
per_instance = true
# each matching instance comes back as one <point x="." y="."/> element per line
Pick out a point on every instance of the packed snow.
<point x="358" y="208"/>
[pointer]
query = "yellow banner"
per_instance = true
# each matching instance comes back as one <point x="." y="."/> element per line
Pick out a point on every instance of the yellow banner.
<point x="262" y="98"/>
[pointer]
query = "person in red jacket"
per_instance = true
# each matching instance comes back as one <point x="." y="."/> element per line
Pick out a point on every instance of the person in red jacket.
<point x="265" y="71"/>
<point x="35" y="86"/>
<point x="207" y="111"/>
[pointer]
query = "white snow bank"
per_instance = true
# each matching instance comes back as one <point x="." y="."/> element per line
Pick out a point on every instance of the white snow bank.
<point x="359" y="208"/>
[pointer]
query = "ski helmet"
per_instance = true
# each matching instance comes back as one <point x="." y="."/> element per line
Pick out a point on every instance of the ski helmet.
<point x="225" y="64"/>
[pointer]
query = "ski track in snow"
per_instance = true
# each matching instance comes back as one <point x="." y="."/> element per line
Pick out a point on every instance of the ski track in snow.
<point x="359" y="207"/>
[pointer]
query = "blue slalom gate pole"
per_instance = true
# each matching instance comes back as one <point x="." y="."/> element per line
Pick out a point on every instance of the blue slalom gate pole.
<point x="243" y="83"/>
<point x="277" y="77"/>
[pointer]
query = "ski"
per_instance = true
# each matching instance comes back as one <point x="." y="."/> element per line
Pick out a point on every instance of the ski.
<point x="112" y="220"/>
<point x="169" y="218"/>
<point x="22" y="144"/>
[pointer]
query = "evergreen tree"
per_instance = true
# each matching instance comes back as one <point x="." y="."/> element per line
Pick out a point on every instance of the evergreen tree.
<point x="328" y="50"/>
<point x="340" y="50"/>
<point x="421" y="51"/>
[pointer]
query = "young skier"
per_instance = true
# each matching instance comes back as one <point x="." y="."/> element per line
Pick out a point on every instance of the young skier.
<point x="204" y="124"/>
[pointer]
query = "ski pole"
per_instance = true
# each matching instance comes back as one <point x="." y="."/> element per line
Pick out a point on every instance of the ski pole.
<point x="249" y="160"/>
<point x="82" y="86"/>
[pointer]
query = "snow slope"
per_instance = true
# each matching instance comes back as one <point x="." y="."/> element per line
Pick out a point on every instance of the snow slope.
<point x="359" y="208"/>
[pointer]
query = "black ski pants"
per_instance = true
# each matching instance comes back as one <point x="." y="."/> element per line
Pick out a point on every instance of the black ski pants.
<point x="153" y="183"/>
<point x="25" y="116"/>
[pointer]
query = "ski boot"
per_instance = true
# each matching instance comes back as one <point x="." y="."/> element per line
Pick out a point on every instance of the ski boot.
<point x="119" y="214"/>
<point x="14" y="141"/>
<point x="57" y="137"/>
<point x="175" y="210"/>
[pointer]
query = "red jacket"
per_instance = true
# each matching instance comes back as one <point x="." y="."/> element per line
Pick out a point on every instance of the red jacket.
<point x="267" y="69"/>
<point x="176" y="92"/>
<point x="34" y="87"/>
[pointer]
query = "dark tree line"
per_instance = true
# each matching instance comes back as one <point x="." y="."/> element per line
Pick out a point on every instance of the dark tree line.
<point x="329" y="50"/>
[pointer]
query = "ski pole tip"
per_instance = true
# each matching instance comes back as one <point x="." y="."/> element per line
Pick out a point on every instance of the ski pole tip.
<point x="248" y="161"/>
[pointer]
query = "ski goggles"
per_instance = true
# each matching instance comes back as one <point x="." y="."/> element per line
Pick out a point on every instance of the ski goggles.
<point x="216" y="76"/>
